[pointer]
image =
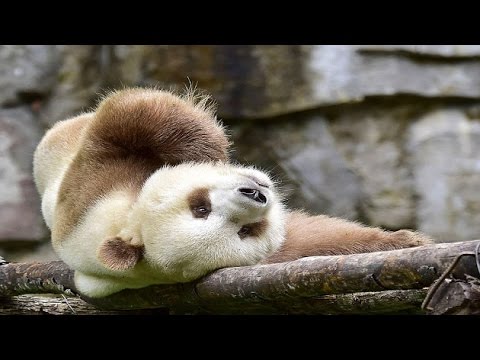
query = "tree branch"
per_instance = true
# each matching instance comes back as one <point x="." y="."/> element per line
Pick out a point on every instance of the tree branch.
<point x="60" y="305"/>
<point x="54" y="277"/>
<point x="379" y="282"/>
<point x="380" y="302"/>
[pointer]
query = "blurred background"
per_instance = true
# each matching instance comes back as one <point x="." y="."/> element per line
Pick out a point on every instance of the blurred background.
<point x="385" y="134"/>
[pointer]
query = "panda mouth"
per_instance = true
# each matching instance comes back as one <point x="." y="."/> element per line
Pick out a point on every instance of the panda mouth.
<point x="253" y="194"/>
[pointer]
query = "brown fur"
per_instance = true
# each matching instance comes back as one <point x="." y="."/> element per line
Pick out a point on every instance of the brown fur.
<point x="131" y="134"/>
<point x="199" y="198"/>
<point x="61" y="141"/>
<point x="322" y="235"/>
<point x="118" y="254"/>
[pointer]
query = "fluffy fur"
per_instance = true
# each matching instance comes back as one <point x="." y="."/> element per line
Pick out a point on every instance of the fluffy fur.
<point x="140" y="192"/>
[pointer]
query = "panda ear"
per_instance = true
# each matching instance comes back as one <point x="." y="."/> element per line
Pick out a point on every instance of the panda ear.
<point x="118" y="254"/>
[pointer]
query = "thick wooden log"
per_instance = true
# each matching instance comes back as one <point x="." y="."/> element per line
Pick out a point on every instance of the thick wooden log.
<point x="60" y="305"/>
<point x="54" y="277"/>
<point x="293" y="287"/>
<point x="380" y="302"/>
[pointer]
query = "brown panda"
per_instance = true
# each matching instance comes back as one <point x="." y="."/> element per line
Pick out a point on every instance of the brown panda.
<point x="140" y="192"/>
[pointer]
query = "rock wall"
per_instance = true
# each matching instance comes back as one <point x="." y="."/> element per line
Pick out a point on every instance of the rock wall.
<point x="388" y="135"/>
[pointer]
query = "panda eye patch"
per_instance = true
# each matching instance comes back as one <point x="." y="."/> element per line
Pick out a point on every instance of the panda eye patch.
<point x="199" y="203"/>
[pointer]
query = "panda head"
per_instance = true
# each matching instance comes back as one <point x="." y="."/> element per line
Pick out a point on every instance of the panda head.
<point x="191" y="219"/>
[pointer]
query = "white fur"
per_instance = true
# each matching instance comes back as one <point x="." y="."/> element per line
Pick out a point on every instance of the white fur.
<point x="178" y="247"/>
<point x="50" y="164"/>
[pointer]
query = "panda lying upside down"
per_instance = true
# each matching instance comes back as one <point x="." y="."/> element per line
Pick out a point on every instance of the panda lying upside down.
<point x="140" y="192"/>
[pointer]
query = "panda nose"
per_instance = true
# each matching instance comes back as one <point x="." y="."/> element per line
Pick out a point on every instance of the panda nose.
<point x="253" y="194"/>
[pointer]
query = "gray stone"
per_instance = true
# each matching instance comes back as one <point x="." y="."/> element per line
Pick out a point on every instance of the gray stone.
<point x="431" y="50"/>
<point x="371" y="141"/>
<point x="304" y="157"/>
<point x="352" y="165"/>
<point x="20" y="217"/>
<point x="247" y="80"/>
<point x="41" y="252"/>
<point x="26" y="72"/>
<point x="338" y="74"/>
<point x="79" y="81"/>
<point x="444" y="147"/>
<point x="268" y="80"/>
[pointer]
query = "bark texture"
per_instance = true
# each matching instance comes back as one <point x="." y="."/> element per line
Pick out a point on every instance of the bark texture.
<point x="379" y="282"/>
